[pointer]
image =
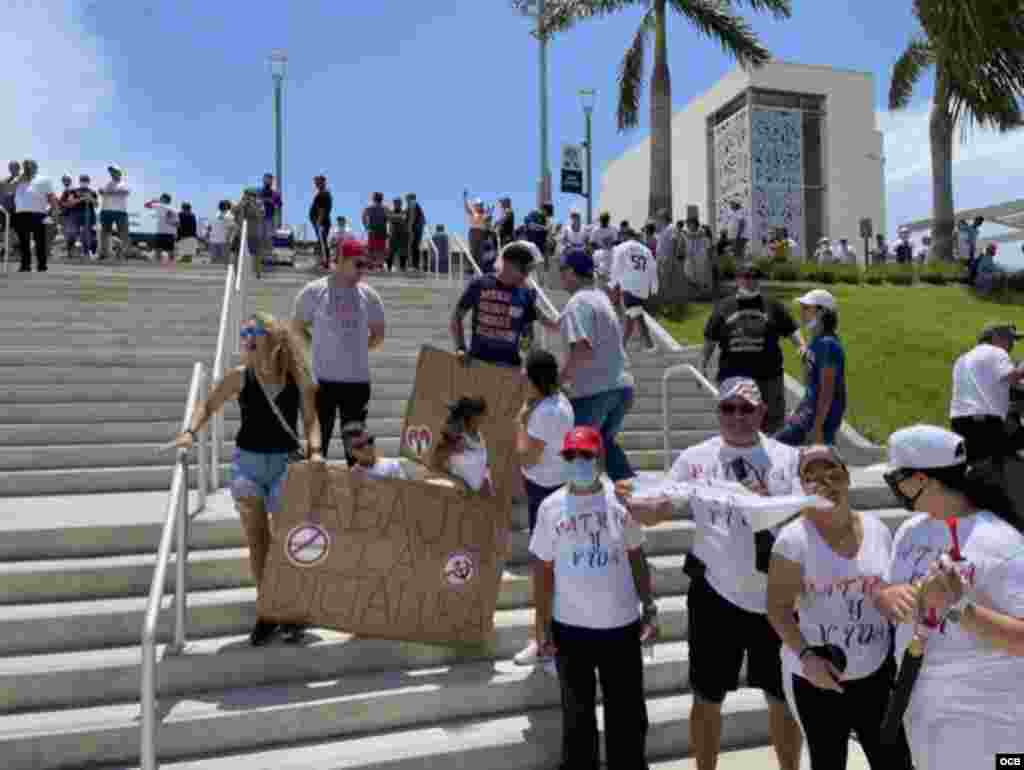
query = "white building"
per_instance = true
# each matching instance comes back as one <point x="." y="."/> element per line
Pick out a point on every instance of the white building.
<point x="796" y="145"/>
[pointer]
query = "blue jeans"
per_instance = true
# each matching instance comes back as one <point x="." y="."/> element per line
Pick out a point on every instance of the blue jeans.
<point x="606" y="412"/>
<point x="259" y="474"/>
<point x="800" y="426"/>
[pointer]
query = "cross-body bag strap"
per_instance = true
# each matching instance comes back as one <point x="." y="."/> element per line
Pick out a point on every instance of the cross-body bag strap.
<point x="277" y="411"/>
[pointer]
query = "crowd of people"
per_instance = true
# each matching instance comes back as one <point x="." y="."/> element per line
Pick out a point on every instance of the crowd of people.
<point x="820" y="608"/>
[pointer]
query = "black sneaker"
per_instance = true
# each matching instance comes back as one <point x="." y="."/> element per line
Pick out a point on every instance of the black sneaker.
<point x="262" y="633"/>
<point x="293" y="633"/>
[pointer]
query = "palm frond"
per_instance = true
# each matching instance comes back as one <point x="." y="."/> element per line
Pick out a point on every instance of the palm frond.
<point x="780" y="9"/>
<point x="979" y="48"/>
<point x="907" y="71"/>
<point x="715" y="20"/>
<point x="631" y="74"/>
<point x="561" y="15"/>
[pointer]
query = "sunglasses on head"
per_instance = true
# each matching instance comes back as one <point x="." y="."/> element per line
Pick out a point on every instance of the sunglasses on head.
<point x="572" y="455"/>
<point x="253" y="331"/>
<point x="744" y="409"/>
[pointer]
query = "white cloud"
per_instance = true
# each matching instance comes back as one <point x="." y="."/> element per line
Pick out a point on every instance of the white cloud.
<point x="987" y="168"/>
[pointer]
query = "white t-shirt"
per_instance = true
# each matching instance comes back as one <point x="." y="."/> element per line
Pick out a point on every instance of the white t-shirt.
<point x="968" y="702"/>
<point x="588" y="538"/>
<point x="604" y="237"/>
<point x="219" y="227"/>
<point x="569" y="237"/>
<point x="470" y="464"/>
<point x="166" y="219"/>
<point x="725" y="543"/>
<point x="386" y="468"/>
<point x="341" y="319"/>
<point x="33" y="196"/>
<point x="979" y="383"/>
<point x="837" y="605"/>
<point x="666" y="242"/>
<point x="115" y="196"/>
<point x="634" y="269"/>
<point x="550" y="420"/>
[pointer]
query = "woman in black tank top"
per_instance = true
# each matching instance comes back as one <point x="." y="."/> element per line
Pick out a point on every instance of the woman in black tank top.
<point x="269" y="387"/>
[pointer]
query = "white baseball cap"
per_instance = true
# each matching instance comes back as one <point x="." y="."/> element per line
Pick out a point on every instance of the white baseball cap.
<point x="740" y="387"/>
<point x="818" y="298"/>
<point x="921" y="447"/>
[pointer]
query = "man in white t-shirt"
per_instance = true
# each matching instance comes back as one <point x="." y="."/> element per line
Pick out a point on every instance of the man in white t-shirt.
<point x="727" y="598"/>
<point x="115" y="212"/>
<point x="982" y="378"/>
<point x="634" y="280"/>
<point x="573" y="234"/>
<point x="166" y="227"/>
<point x="33" y="198"/>
<point x="347" y="319"/>
<point x="220" y="232"/>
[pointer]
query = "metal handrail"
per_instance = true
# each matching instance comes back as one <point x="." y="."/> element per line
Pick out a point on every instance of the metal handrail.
<point x="175" y="530"/>
<point x="670" y="373"/>
<point x="7" y="238"/>
<point x="219" y="366"/>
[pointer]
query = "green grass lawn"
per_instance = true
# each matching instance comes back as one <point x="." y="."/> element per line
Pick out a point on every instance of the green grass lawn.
<point x="900" y="343"/>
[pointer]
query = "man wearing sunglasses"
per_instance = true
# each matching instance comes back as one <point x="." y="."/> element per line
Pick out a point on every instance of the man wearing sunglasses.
<point x="347" y="319"/>
<point x="362" y="445"/>
<point x="727" y="599"/>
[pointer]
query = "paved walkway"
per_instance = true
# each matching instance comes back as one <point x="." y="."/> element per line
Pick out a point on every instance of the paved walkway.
<point x="761" y="759"/>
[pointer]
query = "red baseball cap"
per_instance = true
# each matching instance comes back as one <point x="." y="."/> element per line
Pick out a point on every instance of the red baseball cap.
<point x="583" y="439"/>
<point x="350" y="247"/>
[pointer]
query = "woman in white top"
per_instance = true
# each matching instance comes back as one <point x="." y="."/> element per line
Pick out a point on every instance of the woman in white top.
<point x="588" y="564"/>
<point x="462" y="450"/>
<point x="837" y="666"/>
<point x="541" y="427"/>
<point x="958" y="569"/>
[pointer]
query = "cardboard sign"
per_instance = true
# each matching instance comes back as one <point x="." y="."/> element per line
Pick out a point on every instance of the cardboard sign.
<point x="440" y="379"/>
<point x="413" y="560"/>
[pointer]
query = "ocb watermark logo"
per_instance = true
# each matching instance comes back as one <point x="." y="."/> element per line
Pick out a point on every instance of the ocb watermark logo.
<point x="1009" y="760"/>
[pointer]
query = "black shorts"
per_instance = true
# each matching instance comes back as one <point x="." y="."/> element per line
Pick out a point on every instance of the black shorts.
<point x="720" y="634"/>
<point x="631" y="300"/>
<point x="164" y="242"/>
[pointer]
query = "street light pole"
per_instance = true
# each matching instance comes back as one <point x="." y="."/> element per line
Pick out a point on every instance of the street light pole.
<point x="278" y="63"/>
<point x="587" y="97"/>
<point x="545" y="167"/>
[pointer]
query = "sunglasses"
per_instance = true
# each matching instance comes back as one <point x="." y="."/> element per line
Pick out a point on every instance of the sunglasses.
<point x="253" y="331"/>
<point x="730" y="409"/>
<point x="832" y="475"/>
<point x="363" y="265"/>
<point x="570" y="456"/>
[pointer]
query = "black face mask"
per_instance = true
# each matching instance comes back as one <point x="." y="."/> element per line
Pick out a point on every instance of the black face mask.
<point x="894" y="479"/>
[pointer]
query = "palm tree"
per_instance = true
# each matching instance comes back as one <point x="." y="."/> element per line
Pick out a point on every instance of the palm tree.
<point x="976" y="48"/>
<point x="714" y="19"/>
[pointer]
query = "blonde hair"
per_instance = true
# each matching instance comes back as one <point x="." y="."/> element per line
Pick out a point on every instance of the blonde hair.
<point x="288" y="354"/>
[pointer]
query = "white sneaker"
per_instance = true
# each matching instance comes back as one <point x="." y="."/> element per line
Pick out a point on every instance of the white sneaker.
<point x="529" y="656"/>
<point x="651" y="349"/>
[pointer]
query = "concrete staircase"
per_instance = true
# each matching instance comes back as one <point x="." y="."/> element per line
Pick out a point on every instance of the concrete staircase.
<point x="94" y="365"/>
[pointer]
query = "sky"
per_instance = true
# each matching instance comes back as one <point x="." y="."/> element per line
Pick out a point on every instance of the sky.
<point x="400" y="96"/>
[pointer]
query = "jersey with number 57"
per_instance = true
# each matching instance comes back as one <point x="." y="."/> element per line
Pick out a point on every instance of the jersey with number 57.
<point x="634" y="269"/>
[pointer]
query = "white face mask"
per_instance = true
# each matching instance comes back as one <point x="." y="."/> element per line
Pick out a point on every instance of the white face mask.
<point x="811" y="325"/>
<point x="583" y="472"/>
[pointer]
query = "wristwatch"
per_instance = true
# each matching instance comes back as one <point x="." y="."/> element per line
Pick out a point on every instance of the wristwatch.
<point x="955" y="613"/>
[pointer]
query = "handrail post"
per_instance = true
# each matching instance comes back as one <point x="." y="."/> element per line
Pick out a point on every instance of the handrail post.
<point x="147" y="749"/>
<point x="202" y="451"/>
<point x="181" y="562"/>
<point x="7" y="238"/>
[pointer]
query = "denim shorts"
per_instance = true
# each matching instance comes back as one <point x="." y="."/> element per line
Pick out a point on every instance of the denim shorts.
<point x="259" y="474"/>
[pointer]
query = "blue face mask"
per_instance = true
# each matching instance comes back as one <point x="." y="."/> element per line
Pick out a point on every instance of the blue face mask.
<point x="583" y="472"/>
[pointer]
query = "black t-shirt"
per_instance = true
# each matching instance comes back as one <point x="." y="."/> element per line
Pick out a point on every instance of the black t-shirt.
<point x="320" y="211"/>
<point x="748" y="331"/>
<point x="377" y="221"/>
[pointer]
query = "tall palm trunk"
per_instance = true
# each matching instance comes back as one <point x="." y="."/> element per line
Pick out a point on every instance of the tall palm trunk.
<point x="660" y="196"/>
<point x="940" y="130"/>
